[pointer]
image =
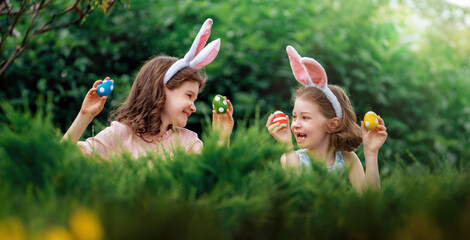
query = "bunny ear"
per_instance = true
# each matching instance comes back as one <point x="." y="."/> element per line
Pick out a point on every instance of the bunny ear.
<point x="197" y="56"/>
<point x="207" y="55"/>
<point x="297" y="68"/>
<point x="200" y="40"/>
<point x="315" y="71"/>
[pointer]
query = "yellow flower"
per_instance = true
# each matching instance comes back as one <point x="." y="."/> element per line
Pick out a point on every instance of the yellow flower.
<point x="12" y="229"/>
<point x="57" y="233"/>
<point x="85" y="225"/>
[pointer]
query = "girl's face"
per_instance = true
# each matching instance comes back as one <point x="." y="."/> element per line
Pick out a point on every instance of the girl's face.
<point x="309" y="125"/>
<point x="179" y="103"/>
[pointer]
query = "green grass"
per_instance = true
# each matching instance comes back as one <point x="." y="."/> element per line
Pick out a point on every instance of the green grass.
<point x="239" y="192"/>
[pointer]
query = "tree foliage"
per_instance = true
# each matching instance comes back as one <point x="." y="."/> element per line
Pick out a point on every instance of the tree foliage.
<point x="405" y="60"/>
<point x="22" y="22"/>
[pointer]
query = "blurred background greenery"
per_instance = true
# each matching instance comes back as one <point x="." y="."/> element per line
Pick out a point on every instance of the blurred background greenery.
<point x="406" y="60"/>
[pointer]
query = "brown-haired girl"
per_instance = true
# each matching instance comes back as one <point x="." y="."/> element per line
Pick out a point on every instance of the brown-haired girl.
<point x="325" y="128"/>
<point x="157" y="108"/>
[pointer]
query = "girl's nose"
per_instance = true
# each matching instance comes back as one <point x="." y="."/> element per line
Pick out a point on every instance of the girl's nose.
<point x="192" y="107"/>
<point x="295" y="124"/>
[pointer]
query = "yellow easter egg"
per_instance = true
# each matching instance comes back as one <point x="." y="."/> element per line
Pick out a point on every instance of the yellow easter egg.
<point x="370" y="120"/>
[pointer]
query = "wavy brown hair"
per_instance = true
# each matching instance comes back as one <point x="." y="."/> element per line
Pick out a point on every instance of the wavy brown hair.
<point x="346" y="136"/>
<point x="143" y="107"/>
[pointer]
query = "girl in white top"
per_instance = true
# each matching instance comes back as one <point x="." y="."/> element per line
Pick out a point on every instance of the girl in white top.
<point x="325" y="128"/>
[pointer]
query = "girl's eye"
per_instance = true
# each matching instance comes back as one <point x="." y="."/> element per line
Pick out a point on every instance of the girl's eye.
<point x="305" y="118"/>
<point x="189" y="95"/>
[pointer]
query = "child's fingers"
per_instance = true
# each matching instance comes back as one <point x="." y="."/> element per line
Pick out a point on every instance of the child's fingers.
<point x="108" y="78"/>
<point x="381" y="121"/>
<point x="381" y="128"/>
<point x="363" y="128"/>
<point x="92" y="92"/>
<point x="96" y="83"/>
<point x="230" y="106"/>
<point x="273" y="128"/>
<point x="383" y="133"/>
<point x="214" y="114"/>
<point x="270" y="120"/>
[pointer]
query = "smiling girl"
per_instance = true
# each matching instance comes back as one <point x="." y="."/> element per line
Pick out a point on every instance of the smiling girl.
<point x="153" y="117"/>
<point x="325" y="128"/>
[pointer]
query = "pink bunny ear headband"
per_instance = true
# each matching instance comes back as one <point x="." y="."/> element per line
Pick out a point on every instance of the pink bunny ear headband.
<point x="197" y="56"/>
<point x="310" y="73"/>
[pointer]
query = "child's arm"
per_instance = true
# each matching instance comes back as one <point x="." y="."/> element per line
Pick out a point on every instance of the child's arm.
<point x="372" y="141"/>
<point x="223" y="123"/>
<point x="283" y="136"/>
<point x="91" y="106"/>
<point x="290" y="159"/>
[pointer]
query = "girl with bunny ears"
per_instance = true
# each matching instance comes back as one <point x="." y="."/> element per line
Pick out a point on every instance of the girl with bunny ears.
<point x="158" y="106"/>
<point x="325" y="128"/>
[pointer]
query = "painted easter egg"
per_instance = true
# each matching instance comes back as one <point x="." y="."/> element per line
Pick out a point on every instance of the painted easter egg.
<point x="219" y="104"/>
<point x="281" y="118"/>
<point x="370" y="120"/>
<point x="105" y="88"/>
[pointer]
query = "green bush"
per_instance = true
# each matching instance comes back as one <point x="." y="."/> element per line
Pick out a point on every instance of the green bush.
<point x="229" y="193"/>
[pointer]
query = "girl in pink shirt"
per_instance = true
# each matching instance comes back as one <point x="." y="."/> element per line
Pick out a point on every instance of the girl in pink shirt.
<point x="153" y="117"/>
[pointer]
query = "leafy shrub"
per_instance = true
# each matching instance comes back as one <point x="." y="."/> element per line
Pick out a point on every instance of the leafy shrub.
<point x="230" y="193"/>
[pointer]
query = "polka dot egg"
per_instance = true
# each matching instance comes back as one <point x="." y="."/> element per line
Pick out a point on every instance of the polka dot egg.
<point x="370" y="120"/>
<point x="281" y="118"/>
<point x="219" y="104"/>
<point x="105" y="88"/>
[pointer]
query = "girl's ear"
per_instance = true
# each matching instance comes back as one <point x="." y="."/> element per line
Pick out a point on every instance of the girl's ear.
<point x="315" y="71"/>
<point x="333" y="125"/>
<point x="297" y="68"/>
<point x="207" y="55"/>
<point x="165" y="89"/>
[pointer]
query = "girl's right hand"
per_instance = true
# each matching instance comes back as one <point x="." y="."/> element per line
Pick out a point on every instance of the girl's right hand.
<point x="93" y="104"/>
<point x="282" y="135"/>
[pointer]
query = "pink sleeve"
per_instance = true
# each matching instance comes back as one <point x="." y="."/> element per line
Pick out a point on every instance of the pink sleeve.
<point x="107" y="141"/>
<point x="190" y="140"/>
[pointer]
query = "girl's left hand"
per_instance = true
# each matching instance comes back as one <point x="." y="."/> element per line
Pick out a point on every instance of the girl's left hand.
<point x="223" y="122"/>
<point x="374" y="139"/>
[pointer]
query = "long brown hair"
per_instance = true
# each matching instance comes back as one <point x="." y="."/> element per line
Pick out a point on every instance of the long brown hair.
<point x="143" y="107"/>
<point x="345" y="136"/>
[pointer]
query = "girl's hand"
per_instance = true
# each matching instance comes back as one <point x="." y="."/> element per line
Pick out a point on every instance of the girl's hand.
<point x="374" y="139"/>
<point x="283" y="135"/>
<point x="223" y="122"/>
<point x="93" y="104"/>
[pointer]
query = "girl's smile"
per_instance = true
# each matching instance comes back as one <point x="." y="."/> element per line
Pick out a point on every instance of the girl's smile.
<point x="179" y="103"/>
<point x="309" y="125"/>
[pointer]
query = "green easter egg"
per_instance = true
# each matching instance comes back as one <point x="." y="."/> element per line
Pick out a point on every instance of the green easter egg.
<point x="219" y="104"/>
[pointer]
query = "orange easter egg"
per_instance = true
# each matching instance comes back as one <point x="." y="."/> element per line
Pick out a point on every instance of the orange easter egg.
<point x="280" y="118"/>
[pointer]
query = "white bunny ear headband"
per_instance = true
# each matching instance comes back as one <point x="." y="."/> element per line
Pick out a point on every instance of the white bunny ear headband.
<point x="310" y="73"/>
<point x="197" y="56"/>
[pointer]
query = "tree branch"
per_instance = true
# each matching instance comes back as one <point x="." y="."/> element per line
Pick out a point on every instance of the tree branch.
<point x="12" y="26"/>
<point x="28" y="36"/>
<point x="36" y="11"/>
<point x="24" y="43"/>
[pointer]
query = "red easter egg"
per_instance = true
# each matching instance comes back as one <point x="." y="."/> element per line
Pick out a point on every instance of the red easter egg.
<point x="280" y="118"/>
